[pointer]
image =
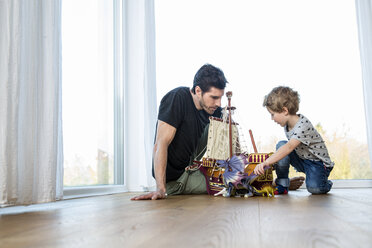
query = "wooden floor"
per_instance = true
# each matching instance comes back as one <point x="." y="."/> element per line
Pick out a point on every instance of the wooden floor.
<point x="342" y="218"/>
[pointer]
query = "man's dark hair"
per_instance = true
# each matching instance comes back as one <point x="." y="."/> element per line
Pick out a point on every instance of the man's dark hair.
<point x="209" y="76"/>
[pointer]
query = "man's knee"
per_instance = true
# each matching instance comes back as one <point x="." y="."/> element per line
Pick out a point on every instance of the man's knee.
<point x="196" y="183"/>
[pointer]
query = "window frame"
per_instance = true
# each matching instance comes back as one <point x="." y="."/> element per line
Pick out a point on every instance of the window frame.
<point x="70" y="192"/>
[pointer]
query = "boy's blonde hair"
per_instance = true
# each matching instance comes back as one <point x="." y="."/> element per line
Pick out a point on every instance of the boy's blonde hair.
<point x="280" y="97"/>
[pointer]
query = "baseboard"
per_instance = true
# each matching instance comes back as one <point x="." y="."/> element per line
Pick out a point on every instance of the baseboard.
<point x="84" y="191"/>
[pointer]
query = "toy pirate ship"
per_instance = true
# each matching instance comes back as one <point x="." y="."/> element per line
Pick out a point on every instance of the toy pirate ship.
<point x="229" y="170"/>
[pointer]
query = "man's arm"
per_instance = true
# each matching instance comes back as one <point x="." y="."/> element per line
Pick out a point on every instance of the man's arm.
<point x="165" y="135"/>
<point x="278" y="155"/>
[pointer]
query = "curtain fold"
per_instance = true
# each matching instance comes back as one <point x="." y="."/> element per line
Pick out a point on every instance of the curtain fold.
<point x="31" y="168"/>
<point x="139" y="93"/>
<point x="364" y="20"/>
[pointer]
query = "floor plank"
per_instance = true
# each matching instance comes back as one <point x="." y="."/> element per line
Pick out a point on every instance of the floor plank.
<point x="342" y="218"/>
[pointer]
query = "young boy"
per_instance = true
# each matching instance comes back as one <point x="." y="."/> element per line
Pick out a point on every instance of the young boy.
<point x="305" y="149"/>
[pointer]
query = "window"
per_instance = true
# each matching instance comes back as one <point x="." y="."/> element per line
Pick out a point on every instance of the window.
<point x="88" y="92"/>
<point x="311" y="46"/>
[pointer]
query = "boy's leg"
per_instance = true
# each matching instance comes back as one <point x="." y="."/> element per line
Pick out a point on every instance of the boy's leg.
<point x="191" y="182"/>
<point x="282" y="170"/>
<point x="317" y="177"/>
<point x="316" y="174"/>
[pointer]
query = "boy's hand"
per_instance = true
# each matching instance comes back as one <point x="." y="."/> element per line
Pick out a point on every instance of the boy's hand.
<point x="260" y="169"/>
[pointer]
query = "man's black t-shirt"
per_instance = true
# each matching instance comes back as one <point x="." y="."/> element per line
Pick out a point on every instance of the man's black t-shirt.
<point x="177" y="108"/>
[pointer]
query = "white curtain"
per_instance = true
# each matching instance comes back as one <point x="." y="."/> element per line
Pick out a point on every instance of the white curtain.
<point x="139" y="93"/>
<point x="364" y="19"/>
<point x="30" y="102"/>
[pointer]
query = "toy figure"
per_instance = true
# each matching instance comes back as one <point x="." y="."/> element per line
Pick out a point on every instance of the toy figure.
<point x="236" y="181"/>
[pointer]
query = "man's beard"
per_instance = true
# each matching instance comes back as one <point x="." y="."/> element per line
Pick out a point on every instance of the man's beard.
<point x="206" y="109"/>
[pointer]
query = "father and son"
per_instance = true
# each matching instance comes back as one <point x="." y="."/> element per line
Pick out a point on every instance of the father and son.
<point x="182" y="131"/>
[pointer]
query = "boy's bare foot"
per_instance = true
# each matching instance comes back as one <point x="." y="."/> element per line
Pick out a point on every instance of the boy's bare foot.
<point x="295" y="182"/>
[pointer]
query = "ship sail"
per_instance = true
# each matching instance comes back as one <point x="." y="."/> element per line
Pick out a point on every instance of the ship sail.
<point x="218" y="139"/>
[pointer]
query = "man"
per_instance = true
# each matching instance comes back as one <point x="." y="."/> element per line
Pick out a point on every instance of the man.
<point x="181" y="133"/>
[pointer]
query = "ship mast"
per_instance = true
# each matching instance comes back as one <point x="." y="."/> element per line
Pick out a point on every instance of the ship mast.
<point x="229" y="95"/>
<point x="252" y="139"/>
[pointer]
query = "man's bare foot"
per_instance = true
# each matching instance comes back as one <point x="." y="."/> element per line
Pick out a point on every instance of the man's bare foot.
<point x="295" y="182"/>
